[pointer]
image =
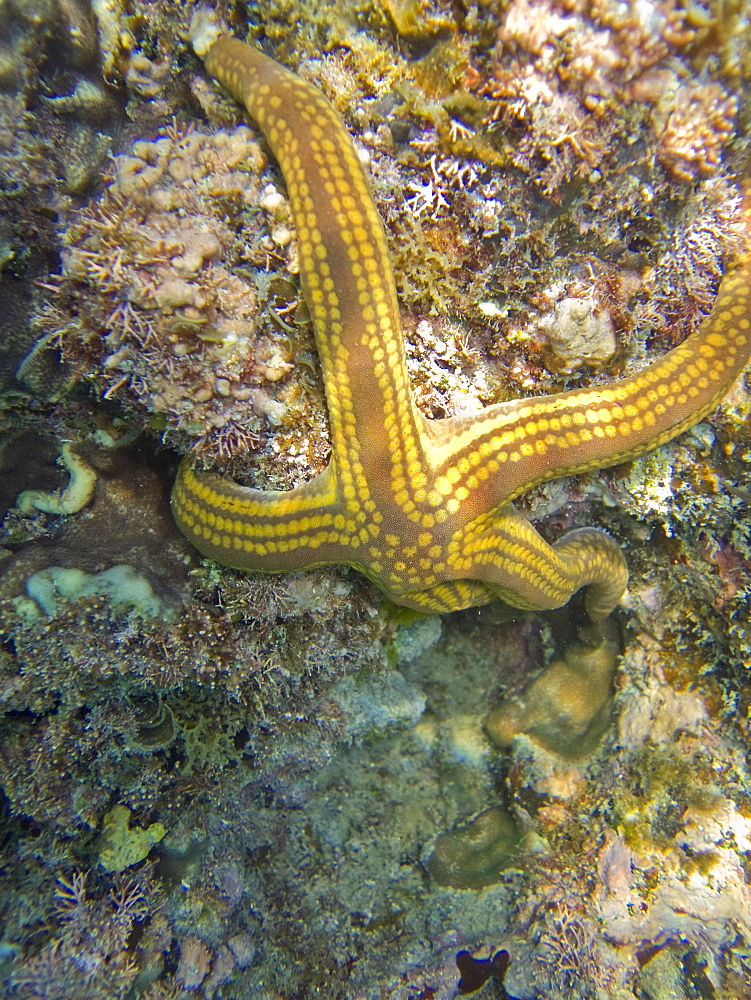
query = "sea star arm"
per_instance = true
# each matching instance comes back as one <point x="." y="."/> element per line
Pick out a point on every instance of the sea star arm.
<point x="505" y="552"/>
<point x="423" y="508"/>
<point x="544" y="437"/>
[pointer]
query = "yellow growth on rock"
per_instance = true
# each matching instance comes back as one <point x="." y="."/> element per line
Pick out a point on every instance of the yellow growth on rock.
<point x="122" y="845"/>
<point x="566" y="709"/>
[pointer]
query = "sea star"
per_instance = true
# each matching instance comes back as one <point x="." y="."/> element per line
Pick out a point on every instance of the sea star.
<point x="424" y="507"/>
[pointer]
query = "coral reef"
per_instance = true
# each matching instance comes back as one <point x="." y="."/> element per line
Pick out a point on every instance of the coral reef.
<point x="87" y="955"/>
<point x="309" y="751"/>
<point x="168" y="309"/>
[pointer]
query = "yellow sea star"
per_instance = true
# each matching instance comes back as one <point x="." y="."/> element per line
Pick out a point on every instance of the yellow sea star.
<point x="424" y="507"/>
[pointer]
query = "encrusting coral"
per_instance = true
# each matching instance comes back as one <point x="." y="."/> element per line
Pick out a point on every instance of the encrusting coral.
<point x="565" y="710"/>
<point x="182" y="332"/>
<point x="123" y="845"/>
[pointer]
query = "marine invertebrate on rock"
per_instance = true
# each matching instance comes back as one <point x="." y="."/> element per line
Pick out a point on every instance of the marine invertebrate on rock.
<point x="123" y="845"/>
<point x="569" y="949"/>
<point x="73" y="498"/>
<point x="558" y="140"/>
<point x="425" y="509"/>
<point x="475" y="853"/>
<point x="121" y="585"/>
<point x="698" y="127"/>
<point x="579" y="334"/>
<point x="565" y="709"/>
<point x="170" y="326"/>
<point x="155" y="726"/>
<point x="195" y="961"/>
<point x="576" y="83"/>
<point x="88" y="957"/>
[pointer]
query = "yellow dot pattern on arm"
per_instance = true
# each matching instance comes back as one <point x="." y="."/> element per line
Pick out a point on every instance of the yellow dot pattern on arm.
<point x="425" y="508"/>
